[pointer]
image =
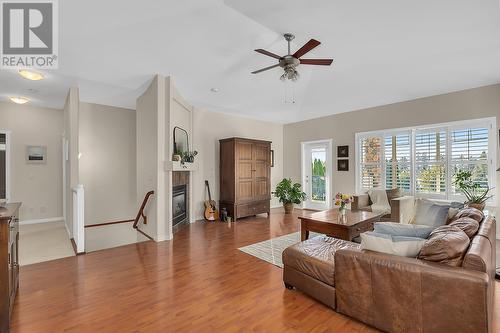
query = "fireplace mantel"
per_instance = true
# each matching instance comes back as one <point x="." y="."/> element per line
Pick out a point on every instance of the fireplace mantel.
<point x="177" y="166"/>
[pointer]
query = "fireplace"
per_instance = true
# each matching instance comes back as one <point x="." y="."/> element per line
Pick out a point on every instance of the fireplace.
<point x="179" y="204"/>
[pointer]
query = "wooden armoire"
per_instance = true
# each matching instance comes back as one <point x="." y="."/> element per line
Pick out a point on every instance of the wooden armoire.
<point x="9" y="262"/>
<point x="245" y="177"/>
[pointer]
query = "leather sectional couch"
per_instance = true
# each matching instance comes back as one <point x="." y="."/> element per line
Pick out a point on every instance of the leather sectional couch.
<point x="398" y="294"/>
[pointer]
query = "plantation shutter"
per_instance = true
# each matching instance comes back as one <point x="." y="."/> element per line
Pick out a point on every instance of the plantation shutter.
<point x="398" y="161"/>
<point x="430" y="162"/>
<point x="371" y="162"/>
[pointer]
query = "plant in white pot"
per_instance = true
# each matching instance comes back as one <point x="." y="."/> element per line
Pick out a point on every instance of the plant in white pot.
<point x="289" y="193"/>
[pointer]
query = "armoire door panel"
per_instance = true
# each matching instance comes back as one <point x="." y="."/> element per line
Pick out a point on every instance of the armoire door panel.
<point x="244" y="171"/>
<point x="261" y="152"/>
<point x="245" y="190"/>
<point x="261" y="189"/>
<point x="244" y="151"/>
<point x="261" y="169"/>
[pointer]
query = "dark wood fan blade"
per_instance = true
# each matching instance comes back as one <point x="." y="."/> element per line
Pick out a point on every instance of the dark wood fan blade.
<point x="324" y="62"/>
<point x="267" y="53"/>
<point x="265" y="69"/>
<point x="306" y="48"/>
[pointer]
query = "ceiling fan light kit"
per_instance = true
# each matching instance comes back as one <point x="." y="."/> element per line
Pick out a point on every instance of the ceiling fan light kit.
<point x="290" y="62"/>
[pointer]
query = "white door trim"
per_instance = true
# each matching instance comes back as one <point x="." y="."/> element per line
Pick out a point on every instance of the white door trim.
<point x="7" y="163"/>
<point x="329" y="168"/>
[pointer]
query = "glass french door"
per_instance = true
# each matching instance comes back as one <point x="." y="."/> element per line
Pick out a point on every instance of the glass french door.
<point x="316" y="173"/>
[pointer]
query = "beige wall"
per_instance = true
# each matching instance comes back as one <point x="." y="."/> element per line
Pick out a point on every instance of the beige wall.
<point x="209" y="128"/>
<point x="71" y="117"/>
<point x="107" y="166"/>
<point x="38" y="186"/>
<point x="148" y="163"/>
<point x="469" y="104"/>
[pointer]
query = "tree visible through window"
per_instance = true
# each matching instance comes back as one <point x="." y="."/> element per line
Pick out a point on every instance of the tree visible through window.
<point x="318" y="167"/>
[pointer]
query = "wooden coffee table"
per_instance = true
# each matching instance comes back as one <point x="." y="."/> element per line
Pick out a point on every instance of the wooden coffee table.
<point x="330" y="223"/>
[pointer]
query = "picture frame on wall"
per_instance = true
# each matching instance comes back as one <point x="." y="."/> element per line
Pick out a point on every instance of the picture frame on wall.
<point x="36" y="154"/>
<point x="342" y="165"/>
<point x="342" y="151"/>
<point x="272" y="158"/>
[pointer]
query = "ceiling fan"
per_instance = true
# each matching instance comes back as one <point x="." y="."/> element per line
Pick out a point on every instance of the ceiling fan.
<point x="290" y="61"/>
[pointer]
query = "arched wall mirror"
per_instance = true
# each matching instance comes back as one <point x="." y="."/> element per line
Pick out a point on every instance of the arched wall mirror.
<point x="181" y="140"/>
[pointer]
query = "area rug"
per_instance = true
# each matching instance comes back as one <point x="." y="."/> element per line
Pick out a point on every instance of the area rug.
<point x="270" y="250"/>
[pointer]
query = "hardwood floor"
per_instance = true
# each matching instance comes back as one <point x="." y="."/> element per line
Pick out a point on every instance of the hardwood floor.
<point x="199" y="282"/>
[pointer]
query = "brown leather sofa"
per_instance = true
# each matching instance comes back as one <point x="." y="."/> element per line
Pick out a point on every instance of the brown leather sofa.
<point x="398" y="294"/>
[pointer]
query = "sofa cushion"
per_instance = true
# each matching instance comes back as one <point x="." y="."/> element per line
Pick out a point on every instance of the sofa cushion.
<point x="430" y="213"/>
<point x="447" y="244"/>
<point x="473" y="213"/>
<point x="397" y="245"/>
<point x="467" y="225"/>
<point x="315" y="257"/>
<point x="401" y="229"/>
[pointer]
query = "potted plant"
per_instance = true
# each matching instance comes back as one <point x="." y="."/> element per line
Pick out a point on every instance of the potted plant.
<point x="475" y="194"/>
<point x="289" y="193"/>
<point x="188" y="156"/>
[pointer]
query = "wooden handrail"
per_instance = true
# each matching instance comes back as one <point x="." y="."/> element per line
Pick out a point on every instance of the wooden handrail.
<point x="141" y="210"/>
<point x="107" y="223"/>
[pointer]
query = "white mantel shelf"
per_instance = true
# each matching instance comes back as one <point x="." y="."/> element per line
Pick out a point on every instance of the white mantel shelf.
<point x="177" y="166"/>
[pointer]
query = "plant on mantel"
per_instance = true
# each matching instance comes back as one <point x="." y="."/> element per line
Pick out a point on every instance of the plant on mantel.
<point x="289" y="193"/>
<point x="188" y="156"/>
<point x="475" y="194"/>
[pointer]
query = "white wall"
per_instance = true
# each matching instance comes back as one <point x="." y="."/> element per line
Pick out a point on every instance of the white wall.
<point x="107" y="165"/>
<point x="209" y="128"/>
<point x="38" y="186"/>
<point x="468" y="104"/>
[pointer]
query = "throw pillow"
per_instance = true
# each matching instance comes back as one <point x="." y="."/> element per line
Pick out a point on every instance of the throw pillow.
<point x="446" y="244"/>
<point x="430" y="213"/>
<point x="396" y="245"/>
<point x="400" y="229"/>
<point x="455" y="207"/>
<point x="467" y="225"/>
<point x="473" y="213"/>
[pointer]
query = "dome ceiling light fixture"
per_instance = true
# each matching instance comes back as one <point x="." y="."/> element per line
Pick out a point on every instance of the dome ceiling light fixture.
<point x="31" y="75"/>
<point x="290" y="62"/>
<point x="19" y="99"/>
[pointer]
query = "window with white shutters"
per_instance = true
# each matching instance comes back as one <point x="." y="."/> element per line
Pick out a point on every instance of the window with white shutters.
<point x="423" y="161"/>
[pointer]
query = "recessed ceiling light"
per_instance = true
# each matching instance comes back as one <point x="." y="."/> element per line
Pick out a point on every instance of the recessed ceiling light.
<point x="214" y="89"/>
<point x="30" y="75"/>
<point x="19" y="100"/>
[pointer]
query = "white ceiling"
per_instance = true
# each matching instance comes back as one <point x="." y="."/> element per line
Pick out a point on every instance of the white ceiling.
<point x="384" y="51"/>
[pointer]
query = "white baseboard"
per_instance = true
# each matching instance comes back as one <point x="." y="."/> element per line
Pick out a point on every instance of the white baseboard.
<point x="47" y="220"/>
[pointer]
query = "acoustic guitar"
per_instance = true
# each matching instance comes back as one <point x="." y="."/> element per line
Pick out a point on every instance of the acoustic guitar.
<point x="211" y="213"/>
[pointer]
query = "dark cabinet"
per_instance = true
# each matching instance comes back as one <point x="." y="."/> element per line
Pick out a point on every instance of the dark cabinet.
<point x="245" y="177"/>
<point x="9" y="261"/>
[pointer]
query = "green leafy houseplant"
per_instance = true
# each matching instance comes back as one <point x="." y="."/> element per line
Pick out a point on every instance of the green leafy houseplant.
<point x="475" y="194"/>
<point x="289" y="193"/>
<point x="188" y="156"/>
